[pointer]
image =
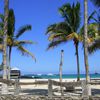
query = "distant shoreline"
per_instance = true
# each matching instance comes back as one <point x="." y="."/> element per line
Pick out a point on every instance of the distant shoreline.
<point x="56" y="76"/>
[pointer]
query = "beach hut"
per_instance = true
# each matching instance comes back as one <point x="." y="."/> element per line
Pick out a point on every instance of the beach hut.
<point x="15" y="73"/>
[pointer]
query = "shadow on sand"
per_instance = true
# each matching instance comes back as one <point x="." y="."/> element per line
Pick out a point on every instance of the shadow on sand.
<point x="35" y="92"/>
<point x="95" y="91"/>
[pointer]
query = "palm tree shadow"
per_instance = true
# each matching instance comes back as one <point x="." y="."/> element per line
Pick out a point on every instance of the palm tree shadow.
<point x="95" y="91"/>
<point x="35" y="91"/>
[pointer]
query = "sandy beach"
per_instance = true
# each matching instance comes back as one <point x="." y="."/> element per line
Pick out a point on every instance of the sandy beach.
<point x="42" y="89"/>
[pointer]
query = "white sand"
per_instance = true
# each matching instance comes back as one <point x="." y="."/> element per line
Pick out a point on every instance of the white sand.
<point x="43" y="89"/>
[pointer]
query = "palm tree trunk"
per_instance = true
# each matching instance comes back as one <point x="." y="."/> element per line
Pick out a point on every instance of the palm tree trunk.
<point x="6" y="9"/>
<point x="9" y="59"/>
<point x="85" y="41"/>
<point x="88" y="87"/>
<point x="77" y="58"/>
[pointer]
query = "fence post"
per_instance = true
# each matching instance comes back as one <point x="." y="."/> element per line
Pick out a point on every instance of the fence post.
<point x="50" y="88"/>
<point x="86" y="89"/>
<point x="16" y="87"/>
<point x="15" y="74"/>
<point x="4" y="89"/>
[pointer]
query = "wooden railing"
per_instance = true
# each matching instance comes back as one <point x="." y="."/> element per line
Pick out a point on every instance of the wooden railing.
<point x="50" y="84"/>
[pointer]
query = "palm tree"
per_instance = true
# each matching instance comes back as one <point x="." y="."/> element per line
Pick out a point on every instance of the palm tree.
<point x="6" y="9"/>
<point x="67" y="30"/>
<point x="85" y="41"/>
<point x="12" y="39"/>
<point x="96" y="44"/>
<point x="94" y="35"/>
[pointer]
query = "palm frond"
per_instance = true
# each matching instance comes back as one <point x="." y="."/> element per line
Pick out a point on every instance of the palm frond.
<point x="11" y="23"/>
<point x="1" y="21"/>
<point x="1" y="47"/>
<point x="92" y="17"/>
<point x="94" y="46"/>
<point x="50" y="28"/>
<point x="64" y="31"/>
<point x="23" y="29"/>
<point x="2" y="17"/>
<point x="56" y="36"/>
<point x="65" y="11"/>
<point x="1" y="25"/>
<point x="96" y="2"/>
<point x="60" y="27"/>
<point x="71" y="14"/>
<point x="73" y="36"/>
<point x="25" y="52"/>
<point x="16" y="43"/>
<point x="92" y="30"/>
<point x="55" y="43"/>
<point x="1" y="34"/>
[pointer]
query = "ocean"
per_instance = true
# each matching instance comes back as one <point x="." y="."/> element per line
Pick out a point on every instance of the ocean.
<point x="56" y="76"/>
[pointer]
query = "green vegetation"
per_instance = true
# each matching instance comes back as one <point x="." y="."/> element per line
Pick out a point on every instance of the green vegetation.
<point x="96" y="44"/>
<point x="67" y="30"/>
<point x="13" y="38"/>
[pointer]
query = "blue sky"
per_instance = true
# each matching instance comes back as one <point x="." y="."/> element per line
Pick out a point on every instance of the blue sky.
<point x="40" y="14"/>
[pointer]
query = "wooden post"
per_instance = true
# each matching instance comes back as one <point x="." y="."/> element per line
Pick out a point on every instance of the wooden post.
<point x="5" y="28"/>
<point x="16" y="87"/>
<point x="50" y="88"/>
<point x="15" y="74"/>
<point x="86" y="89"/>
<point x="84" y="93"/>
<point x="60" y="71"/>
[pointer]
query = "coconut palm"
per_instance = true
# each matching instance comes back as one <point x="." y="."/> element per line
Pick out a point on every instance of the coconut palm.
<point x="13" y="38"/>
<point x="85" y="41"/>
<point x="67" y="30"/>
<point x="96" y="44"/>
<point x="93" y="37"/>
<point x="5" y="28"/>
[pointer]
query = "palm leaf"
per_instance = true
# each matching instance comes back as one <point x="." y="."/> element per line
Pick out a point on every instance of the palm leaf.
<point x="56" y="36"/>
<point x="72" y="36"/>
<point x="1" y="34"/>
<point x="50" y="29"/>
<point x="2" y="17"/>
<point x="92" y="30"/>
<point x="16" y="43"/>
<point x="96" y="2"/>
<point x="71" y="14"/>
<point x="65" y="12"/>
<point x="55" y="43"/>
<point x="1" y="47"/>
<point x="1" y="25"/>
<point x="23" y="29"/>
<point x="2" y="21"/>
<point x="25" y="52"/>
<point x="91" y="17"/>
<point x="94" y="46"/>
<point x="60" y="27"/>
<point x="11" y="23"/>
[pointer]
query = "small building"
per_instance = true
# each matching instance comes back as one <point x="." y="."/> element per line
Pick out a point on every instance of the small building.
<point x="15" y="73"/>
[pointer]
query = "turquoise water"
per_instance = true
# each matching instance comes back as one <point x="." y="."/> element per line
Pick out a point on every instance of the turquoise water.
<point x="56" y="76"/>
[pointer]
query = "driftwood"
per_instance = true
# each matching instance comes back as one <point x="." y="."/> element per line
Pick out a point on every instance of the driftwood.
<point x="8" y="82"/>
<point x="66" y="84"/>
